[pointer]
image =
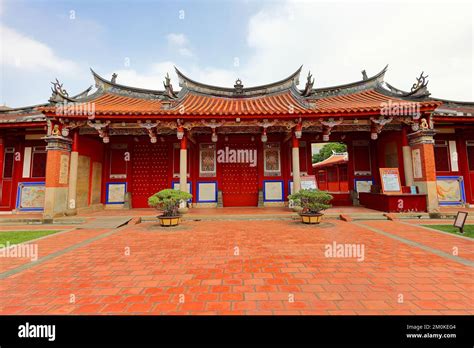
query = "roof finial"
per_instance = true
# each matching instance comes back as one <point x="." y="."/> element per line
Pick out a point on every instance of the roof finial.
<point x="364" y="75"/>
<point x="169" y="87"/>
<point x="420" y="82"/>
<point x="309" y="84"/>
<point x="239" y="87"/>
<point x="58" y="92"/>
<point x="114" y="78"/>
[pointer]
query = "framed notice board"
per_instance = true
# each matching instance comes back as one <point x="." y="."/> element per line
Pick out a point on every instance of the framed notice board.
<point x="390" y="179"/>
<point x="308" y="182"/>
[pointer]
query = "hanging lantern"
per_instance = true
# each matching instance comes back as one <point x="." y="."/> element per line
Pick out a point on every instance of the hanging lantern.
<point x="298" y="131"/>
<point x="326" y="133"/>
<point x="106" y="139"/>
<point x="180" y="132"/>
<point x="264" y="136"/>
<point x="214" y="136"/>
<point x="153" y="140"/>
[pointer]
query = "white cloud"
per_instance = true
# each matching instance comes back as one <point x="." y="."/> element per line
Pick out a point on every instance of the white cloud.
<point x="177" y="39"/>
<point x="335" y="40"/>
<point x="25" y="53"/>
<point x="338" y="40"/>
<point x="180" y="43"/>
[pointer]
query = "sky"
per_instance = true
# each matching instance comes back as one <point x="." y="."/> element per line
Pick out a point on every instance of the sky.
<point x="218" y="41"/>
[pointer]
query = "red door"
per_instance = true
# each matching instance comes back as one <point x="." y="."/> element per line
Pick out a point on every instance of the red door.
<point x="240" y="180"/>
<point x="6" y="187"/>
<point x="150" y="170"/>
<point x="470" y="160"/>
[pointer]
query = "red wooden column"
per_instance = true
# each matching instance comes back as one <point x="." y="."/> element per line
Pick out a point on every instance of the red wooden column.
<point x="183" y="163"/>
<point x="57" y="175"/>
<point x="74" y="163"/>
<point x="2" y="156"/>
<point x="407" y="160"/>
<point x="424" y="170"/>
<point x="296" y="164"/>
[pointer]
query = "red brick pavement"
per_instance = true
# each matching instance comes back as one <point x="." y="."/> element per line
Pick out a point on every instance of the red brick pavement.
<point x="48" y="245"/>
<point x="241" y="267"/>
<point x="437" y="240"/>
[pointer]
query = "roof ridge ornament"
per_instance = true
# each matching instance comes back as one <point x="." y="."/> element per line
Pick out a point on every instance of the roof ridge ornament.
<point x="239" y="87"/>
<point x="169" y="87"/>
<point x="364" y="75"/>
<point x="309" y="85"/>
<point x="114" y="78"/>
<point x="421" y="82"/>
<point x="59" y="93"/>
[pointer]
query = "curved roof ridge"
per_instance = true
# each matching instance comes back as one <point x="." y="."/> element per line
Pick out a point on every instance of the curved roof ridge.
<point x="34" y="107"/>
<point x="455" y="102"/>
<point x="358" y="85"/>
<point x="189" y="84"/>
<point x="116" y="87"/>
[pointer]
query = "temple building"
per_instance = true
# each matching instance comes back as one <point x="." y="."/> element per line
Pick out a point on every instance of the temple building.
<point x="113" y="146"/>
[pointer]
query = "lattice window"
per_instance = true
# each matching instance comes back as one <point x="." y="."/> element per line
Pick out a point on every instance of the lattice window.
<point x="207" y="160"/>
<point x="8" y="160"/>
<point x="38" y="162"/>
<point x="118" y="161"/>
<point x="272" y="160"/>
<point x="441" y="152"/>
<point x="361" y="152"/>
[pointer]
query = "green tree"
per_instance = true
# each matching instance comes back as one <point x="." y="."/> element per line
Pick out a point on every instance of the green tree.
<point x="327" y="150"/>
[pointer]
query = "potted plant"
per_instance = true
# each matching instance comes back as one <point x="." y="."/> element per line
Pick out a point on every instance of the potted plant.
<point x="295" y="205"/>
<point x="168" y="201"/>
<point x="313" y="202"/>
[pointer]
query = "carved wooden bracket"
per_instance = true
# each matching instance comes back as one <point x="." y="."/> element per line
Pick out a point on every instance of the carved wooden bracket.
<point x="377" y="125"/>
<point x="213" y="124"/>
<point x="328" y="126"/>
<point x="101" y="128"/>
<point x="148" y="124"/>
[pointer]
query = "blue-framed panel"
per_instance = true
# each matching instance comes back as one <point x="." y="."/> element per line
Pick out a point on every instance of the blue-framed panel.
<point x="290" y="183"/>
<point x="356" y="180"/>
<point x="442" y="192"/>
<point x="21" y="186"/>
<point x="282" y="191"/>
<point x="198" y="199"/>
<point x="174" y="183"/>
<point x="107" y="192"/>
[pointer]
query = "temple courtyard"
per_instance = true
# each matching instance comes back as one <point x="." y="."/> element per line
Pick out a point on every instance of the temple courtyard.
<point x="354" y="262"/>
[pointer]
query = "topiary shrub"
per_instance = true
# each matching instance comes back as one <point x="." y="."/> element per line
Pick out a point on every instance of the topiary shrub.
<point x="311" y="200"/>
<point x="168" y="201"/>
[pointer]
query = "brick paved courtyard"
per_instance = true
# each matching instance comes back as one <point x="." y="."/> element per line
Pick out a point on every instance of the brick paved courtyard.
<point x="243" y="267"/>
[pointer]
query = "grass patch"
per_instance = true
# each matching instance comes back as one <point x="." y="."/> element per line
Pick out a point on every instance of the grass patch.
<point x="468" y="229"/>
<point x="15" y="237"/>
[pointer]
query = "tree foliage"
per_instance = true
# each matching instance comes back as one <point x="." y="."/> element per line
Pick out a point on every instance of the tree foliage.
<point x="168" y="200"/>
<point x="327" y="150"/>
<point x="312" y="201"/>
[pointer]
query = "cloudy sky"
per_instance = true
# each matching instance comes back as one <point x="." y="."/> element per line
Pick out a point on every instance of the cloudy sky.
<point x="217" y="41"/>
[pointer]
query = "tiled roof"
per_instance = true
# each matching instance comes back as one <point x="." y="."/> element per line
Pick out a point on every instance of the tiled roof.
<point x="195" y="104"/>
<point x="285" y="103"/>
<point x="336" y="158"/>
<point x="367" y="101"/>
<point x="282" y="103"/>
